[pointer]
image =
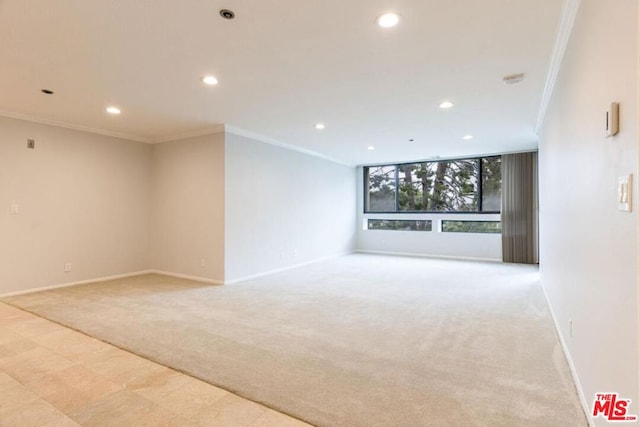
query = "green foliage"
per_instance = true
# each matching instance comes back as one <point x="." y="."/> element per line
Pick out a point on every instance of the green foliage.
<point x="471" y="226"/>
<point x="438" y="186"/>
<point x="401" y="225"/>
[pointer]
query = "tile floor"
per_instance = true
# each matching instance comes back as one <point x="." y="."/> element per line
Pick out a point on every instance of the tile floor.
<point x="53" y="376"/>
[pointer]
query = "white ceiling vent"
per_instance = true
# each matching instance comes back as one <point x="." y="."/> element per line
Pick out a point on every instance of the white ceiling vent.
<point x="513" y="78"/>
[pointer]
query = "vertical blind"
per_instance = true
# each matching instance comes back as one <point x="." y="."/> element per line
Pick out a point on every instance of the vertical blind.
<point x="520" y="208"/>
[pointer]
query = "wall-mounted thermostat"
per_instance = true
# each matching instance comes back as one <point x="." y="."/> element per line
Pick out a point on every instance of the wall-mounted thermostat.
<point x="613" y="119"/>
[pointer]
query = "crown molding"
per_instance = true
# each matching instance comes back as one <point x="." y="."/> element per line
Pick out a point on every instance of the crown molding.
<point x="73" y="126"/>
<point x="201" y="132"/>
<point x="267" y="140"/>
<point x="221" y="128"/>
<point x="127" y="136"/>
<point x="567" y="20"/>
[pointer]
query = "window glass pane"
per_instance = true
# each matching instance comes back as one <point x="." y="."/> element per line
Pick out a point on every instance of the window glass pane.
<point x="382" y="189"/>
<point x="492" y="184"/>
<point x="471" y="226"/>
<point x="438" y="186"/>
<point x="415" y="183"/>
<point x="401" y="224"/>
<point x="454" y="186"/>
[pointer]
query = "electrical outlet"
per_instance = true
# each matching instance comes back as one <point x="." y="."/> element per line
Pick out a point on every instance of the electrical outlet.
<point x="15" y="209"/>
<point x="295" y="253"/>
<point x="67" y="267"/>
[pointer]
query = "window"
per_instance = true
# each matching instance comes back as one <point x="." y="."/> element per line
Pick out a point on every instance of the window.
<point x="402" y="225"/>
<point x="469" y="185"/>
<point x="381" y="188"/>
<point x="491" y="184"/>
<point x="471" y="227"/>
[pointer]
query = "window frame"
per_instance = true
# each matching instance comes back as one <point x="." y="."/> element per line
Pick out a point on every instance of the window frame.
<point x="365" y="186"/>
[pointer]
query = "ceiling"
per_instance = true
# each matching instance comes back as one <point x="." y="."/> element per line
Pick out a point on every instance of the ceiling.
<point x="283" y="66"/>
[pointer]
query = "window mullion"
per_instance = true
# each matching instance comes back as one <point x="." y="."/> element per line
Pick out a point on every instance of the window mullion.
<point x="397" y="191"/>
<point x="480" y="185"/>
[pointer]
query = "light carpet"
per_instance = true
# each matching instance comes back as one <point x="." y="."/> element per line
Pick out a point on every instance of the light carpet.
<point x="361" y="340"/>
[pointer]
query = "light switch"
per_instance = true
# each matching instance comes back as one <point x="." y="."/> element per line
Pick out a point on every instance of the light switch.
<point x="625" y="186"/>
<point x="15" y="209"/>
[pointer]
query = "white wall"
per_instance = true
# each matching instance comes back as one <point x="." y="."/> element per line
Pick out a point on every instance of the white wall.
<point x="589" y="250"/>
<point x="83" y="199"/>
<point x="284" y="208"/>
<point x="188" y="207"/>
<point x="112" y="206"/>
<point x="433" y="243"/>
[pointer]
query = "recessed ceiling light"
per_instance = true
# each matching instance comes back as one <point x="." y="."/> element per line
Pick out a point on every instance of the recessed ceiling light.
<point x="371" y="148"/>
<point x="227" y="14"/>
<point x="388" y="20"/>
<point x="446" y="105"/>
<point x="320" y="126"/>
<point x="467" y="137"/>
<point x="47" y="91"/>
<point x="209" y="80"/>
<point x="113" y="110"/>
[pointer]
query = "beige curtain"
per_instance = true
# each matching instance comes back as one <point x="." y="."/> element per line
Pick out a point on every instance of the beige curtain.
<point x="520" y="208"/>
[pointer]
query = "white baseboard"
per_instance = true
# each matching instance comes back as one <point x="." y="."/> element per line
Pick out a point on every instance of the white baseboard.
<point x="171" y="274"/>
<point x="565" y="349"/>
<point x="81" y="282"/>
<point x="450" y="257"/>
<point x="188" y="277"/>
<point x="289" y="267"/>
